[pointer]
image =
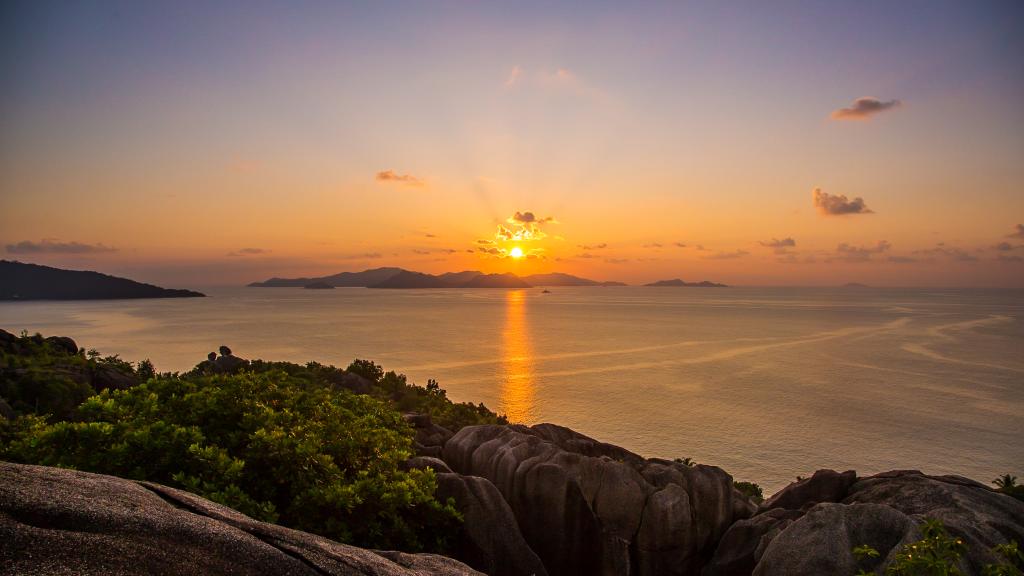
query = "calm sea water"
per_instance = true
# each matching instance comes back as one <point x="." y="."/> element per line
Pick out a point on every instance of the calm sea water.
<point x="768" y="383"/>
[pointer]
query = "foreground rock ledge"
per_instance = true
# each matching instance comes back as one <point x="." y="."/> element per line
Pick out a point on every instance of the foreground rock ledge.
<point x="55" y="521"/>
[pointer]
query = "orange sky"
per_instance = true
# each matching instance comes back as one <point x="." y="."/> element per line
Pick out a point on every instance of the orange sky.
<point x="662" y="142"/>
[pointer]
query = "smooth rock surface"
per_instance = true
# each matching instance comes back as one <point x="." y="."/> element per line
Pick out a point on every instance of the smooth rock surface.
<point x="55" y="521"/>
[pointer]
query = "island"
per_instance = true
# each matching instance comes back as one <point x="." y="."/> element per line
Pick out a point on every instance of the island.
<point x="319" y="285"/>
<point x="399" y="278"/>
<point x="24" y="281"/>
<point x="676" y="282"/>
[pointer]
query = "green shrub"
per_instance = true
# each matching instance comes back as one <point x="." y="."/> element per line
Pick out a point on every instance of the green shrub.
<point x="266" y="444"/>
<point x="751" y="491"/>
<point x="937" y="554"/>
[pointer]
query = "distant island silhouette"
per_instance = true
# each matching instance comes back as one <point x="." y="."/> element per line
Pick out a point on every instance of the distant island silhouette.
<point x="318" y="286"/>
<point x="676" y="282"/>
<point x="24" y="281"/>
<point x="398" y="278"/>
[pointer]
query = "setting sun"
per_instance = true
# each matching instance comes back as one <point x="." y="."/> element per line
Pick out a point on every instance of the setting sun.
<point x="516" y="252"/>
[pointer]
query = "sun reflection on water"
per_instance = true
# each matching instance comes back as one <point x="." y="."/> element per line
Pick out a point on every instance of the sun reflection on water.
<point x="517" y="393"/>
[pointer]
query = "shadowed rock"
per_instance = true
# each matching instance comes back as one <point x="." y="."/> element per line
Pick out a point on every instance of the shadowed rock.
<point x="55" y="521"/>
<point x="798" y="537"/>
<point x="586" y="507"/>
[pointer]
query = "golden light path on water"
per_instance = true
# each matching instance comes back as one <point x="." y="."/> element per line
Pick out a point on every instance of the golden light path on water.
<point x="517" y="392"/>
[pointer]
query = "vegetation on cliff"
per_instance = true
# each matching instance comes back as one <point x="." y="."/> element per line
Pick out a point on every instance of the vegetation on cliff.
<point x="311" y="447"/>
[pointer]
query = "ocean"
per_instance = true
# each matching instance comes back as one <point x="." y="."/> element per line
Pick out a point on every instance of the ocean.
<point x="768" y="383"/>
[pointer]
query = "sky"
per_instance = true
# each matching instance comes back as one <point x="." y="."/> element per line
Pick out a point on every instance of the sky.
<point x="196" y="144"/>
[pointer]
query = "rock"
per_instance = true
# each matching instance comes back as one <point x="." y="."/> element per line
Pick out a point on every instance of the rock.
<point x="821" y="541"/>
<point x="424" y="462"/>
<point x="739" y="551"/>
<point x="57" y="521"/>
<point x="490" y="540"/>
<point x="430" y="438"/>
<point x="7" y="340"/>
<point x="64" y="344"/>
<point x="586" y="507"/>
<point x="6" y="411"/>
<point x="229" y="363"/>
<point x="106" y="377"/>
<point x="823" y="486"/>
<point x="979" y="514"/>
<point x="883" y="511"/>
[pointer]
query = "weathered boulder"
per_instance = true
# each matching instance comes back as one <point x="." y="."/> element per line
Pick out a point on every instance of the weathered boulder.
<point x="430" y="438"/>
<point x="56" y="521"/>
<point x="490" y="540"/>
<point x="229" y="363"/>
<point x="883" y="511"/>
<point x="64" y="344"/>
<point x="586" y="507"/>
<point x="107" y="377"/>
<point x="742" y="546"/>
<point x="424" y="462"/>
<point x="823" y="486"/>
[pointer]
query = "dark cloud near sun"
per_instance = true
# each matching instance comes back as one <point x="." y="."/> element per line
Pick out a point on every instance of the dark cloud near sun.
<point x="390" y="176"/>
<point x="51" y="246"/>
<point x="838" y="204"/>
<point x="864" y="108"/>
<point x="528" y="218"/>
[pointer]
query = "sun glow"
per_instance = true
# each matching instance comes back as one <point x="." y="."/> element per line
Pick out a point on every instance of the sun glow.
<point x="516" y="252"/>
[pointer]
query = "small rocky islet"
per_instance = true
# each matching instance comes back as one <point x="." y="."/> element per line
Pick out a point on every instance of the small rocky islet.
<point x="541" y="500"/>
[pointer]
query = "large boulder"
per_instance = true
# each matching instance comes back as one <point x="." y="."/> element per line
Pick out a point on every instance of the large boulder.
<point x="798" y="537"/>
<point x="586" y="507"/>
<point x="56" y="521"/>
<point x="823" y="486"/>
<point x="429" y="437"/>
<point x="490" y="540"/>
<point x="64" y="344"/>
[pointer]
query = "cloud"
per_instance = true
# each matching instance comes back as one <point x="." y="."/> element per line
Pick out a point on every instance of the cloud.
<point x="600" y="246"/>
<point x="679" y="245"/>
<point x="429" y="235"/>
<point x="52" y="246"/>
<point x="727" y="255"/>
<point x="249" y="252"/>
<point x="1008" y="258"/>
<point x="864" y="108"/>
<point x="903" y="260"/>
<point x="952" y="253"/>
<point x="616" y="260"/>
<point x="779" y="246"/>
<point x="652" y="245"/>
<point x="848" y="253"/>
<point x="388" y="176"/>
<point x="364" y="256"/>
<point x="838" y="204"/>
<point x="528" y="218"/>
<point x="1004" y="247"/>
<point x="513" y="76"/>
<point x="1018" y="232"/>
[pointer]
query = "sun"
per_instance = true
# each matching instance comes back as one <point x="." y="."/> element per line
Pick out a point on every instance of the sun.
<point x="516" y="252"/>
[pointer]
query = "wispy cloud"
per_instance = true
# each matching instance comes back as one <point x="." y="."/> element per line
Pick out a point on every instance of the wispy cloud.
<point x="600" y="246"/>
<point x="864" y="108"/>
<point x="653" y="245"/>
<point x="1018" y="232"/>
<point x="727" y="255"/>
<point x="249" y="252"/>
<point x="950" y="252"/>
<point x="53" y="246"/>
<point x="848" y="253"/>
<point x="679" y="245"/>
<point x="513" y="76"/>
<point x="390" y="176"/>
<point x="779" y="246"/>
<point x="838" y="204"/>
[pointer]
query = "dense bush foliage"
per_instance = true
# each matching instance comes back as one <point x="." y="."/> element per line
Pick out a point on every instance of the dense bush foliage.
<point x="750" y="490"/>
<point x="311" y="447"/>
